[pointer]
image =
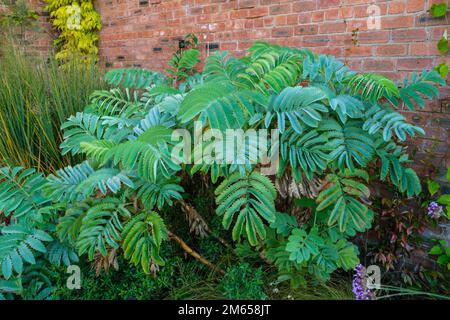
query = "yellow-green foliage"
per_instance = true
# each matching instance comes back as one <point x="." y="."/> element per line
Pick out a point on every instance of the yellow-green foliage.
<point x="78" y="24"/>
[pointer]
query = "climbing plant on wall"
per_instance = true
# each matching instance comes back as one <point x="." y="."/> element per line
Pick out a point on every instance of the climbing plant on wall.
<point x="78" y="24"/>
<point x="439" y="10"/>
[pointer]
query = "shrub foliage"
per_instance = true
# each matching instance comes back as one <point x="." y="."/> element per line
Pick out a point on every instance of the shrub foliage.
<point x="333" y="123"/>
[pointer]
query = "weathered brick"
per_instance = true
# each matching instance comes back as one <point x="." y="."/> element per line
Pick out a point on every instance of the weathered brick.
<point x="282" y="32"/>
<point x="423" y="49"/>
<point x="302" y="6"/>
<point x="317" y="16"/>
<point x="362" y="51"/>
<point x="378" y="65"/>
<point x="306" y="29"/>
<point x="414" y="63"/>
<point x="397" y="22"/>
<point x="426" y="19"/>
<point x="280" y="9"/>
<point x="415" y="5"/>
<point x="409" y="35"/>
<point x="315" y="41"/>
<point x="372" y="37"/>
<point x="323" y="4"/>
<point x="395" y="7"/>
<point x="332" y="27"/>
<point x="245" y="4"/>
<point x="257" y="12"/>
<point x="392" y="50"/>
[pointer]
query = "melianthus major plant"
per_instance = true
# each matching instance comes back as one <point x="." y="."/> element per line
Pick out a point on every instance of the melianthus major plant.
<point x="334" y="125"/>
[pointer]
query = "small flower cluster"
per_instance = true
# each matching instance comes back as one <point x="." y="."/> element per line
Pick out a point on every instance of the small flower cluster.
<point x="360" y="284"/>
<point x="434" y="210"/>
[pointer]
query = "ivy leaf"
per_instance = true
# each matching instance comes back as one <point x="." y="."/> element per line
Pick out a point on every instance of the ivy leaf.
<point x="438" y="10"/>
<point x="443" y="45"/>
<point x="444" y="199"/>
<point x="433" y="187"/>
<point x="442" y="69"/>
<point x="442" y="260"/>
<point x="436" y="250"/>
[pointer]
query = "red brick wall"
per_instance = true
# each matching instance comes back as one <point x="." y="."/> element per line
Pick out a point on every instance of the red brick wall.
<point x="145" y="33"/>
<point x="39" y="38"/>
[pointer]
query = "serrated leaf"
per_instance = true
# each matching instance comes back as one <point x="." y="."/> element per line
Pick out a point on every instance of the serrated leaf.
<point x="438" y="10"/>
<point x="433" y="187"/>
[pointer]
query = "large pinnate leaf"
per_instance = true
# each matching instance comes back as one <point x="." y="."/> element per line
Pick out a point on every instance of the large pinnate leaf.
<point x="342" y="196"/>
<point x="217" y="105"/>
<point x="297" y="105"/>
<point x="251" y="197"/>
<point x="20" y="245"/>
<point x="143" y="236"/>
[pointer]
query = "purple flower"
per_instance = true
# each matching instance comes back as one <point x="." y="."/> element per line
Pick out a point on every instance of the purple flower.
<point x="434" y="210"/>
<point x="360" y="284"/>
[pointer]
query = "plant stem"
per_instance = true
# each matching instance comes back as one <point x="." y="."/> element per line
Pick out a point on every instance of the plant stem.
<point x="193" y="253"/>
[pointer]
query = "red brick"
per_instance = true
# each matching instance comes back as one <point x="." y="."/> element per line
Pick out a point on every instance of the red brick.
<point x="397" y="22"/>
<point x="258" y="12"/>
<point x="356" y="24"/>
<point x="317" y="16"/>
<point x="426" y="19"/>
<point x="229" y="46"/>
<point x="306" y="29"/>
<point x="268" y="21"/>
<point x="280" y="9"/>
<point x="365" y="10"/>
<point x="378" y="65"/>
<point x="245" y="4"/>
<point x="341" y="39"/>
<point x="438" y="32"/>
<point x="363" y="51"/>
<point x="316" y="41"/>
<point x="392" y="50"/>
<point x="282" y="32"/>
<point x="415" y="5"/>
<point x="292" y="19"/>
<point x="396" y="7"/>
<point x="332" y="14"/>
<point x="423" y="49"/>
<point x="409" y="35"/>
<point x="280" y="20"/>
<point x="333" y="27"/>
<point x="373" y="37"/>
<point x="414" y="63"/>
<point x="334" y="51"/>
<point x="239" y="14"/>
<point x="355" y="64"/>
<point x="304" y="18"/>
<point x="302" y="6"/>
<point x="346" y="12"/>
<point x="323" y="4"/>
